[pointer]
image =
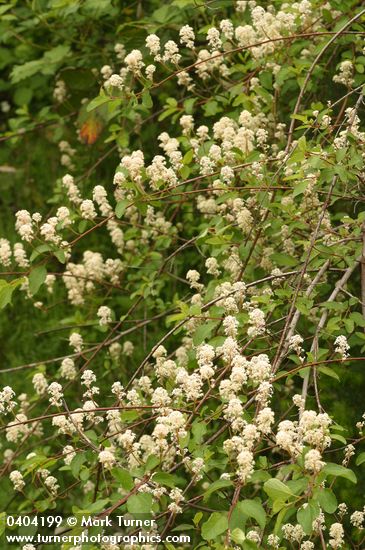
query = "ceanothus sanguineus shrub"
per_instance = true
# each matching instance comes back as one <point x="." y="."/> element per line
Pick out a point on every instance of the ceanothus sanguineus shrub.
<point x="214" y="288"/>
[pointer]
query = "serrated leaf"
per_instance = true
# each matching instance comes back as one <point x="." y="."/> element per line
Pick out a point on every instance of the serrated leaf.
<point x="302" y="144"/>
<point x="349" y="325"/>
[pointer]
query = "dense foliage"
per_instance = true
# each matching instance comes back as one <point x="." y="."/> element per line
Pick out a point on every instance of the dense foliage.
<point x="183" y="268"/>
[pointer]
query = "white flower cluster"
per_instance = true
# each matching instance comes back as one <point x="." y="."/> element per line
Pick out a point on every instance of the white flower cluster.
<point x="336" y="533"/>
<point x="17" y="480"/>
<point x="107" y="458"/>
<point x="312" y="429"/>
<point x="341" y="346"/>
<point x="5" y="252"/>
<point x="345" y="76"/>
<point x="6" y="399"/>
<point x="68" y="370"/>
<point x="40" y="383"/>
<point x="76" y="341"/>
<point x="81" y="278"/>
<point x="56" y="394"/>
<point x="105" y="315"/>
<point x="295" y="344"/>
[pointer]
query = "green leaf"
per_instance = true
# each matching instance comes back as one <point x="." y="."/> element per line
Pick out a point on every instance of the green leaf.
<point x="337" y="470"/>
<point x="254" y="509"/>
<point x="199" y="429"/>
<point x="7" y="289"/>
<point x="76" y="464"/>
<point x="340" y="154"/>
<point x="284" y="259"/>
<point x="163" y="478"/>
<point x="339" y="437"/>
<point x="22" y="96"/>
<point x="216" y="486"/>
<point x="167" y="113"/>
<point x="97" y="102"/>
<point x="121" y="207"/>
<point x="238" y="536"/>
<point x="56" y="55"/>
<point x="152" y="462"/>
<point x="20" y="72"/>
<point x="124" y="478"/>
<point x="98" y="506"/>
<point x="307" y="514"/>
<point x="360" y="459"/>
<point x="358" y="318"/>
<point x="39" y="250"/>
<point x="36" y="278"/>
<point x="327" y="500"/>
<point x="277" y="490"/>
<point x="211" y="108"/>
<point x="279" y="520"/>
<point x="147" y="99"/>
<point x="215" y="526"/>
<point x="302" y="118"/>
<point x="349" y="325"/>
<point x="47" y="65"/>
<point x="196" y="519"/>
<point x="329" y="372"/>
<point x="300" y="188"/>
<point x="184" y="527"/>
<point x="202" y="332"/>
<point x="302" y="144"/>
<point x="140" y="503"/>
<point x="2" y="522"/>
<point x="60" y="255"/>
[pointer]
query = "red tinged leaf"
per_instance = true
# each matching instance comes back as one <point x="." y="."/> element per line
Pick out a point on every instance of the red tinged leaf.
<point x="90" y="130"/>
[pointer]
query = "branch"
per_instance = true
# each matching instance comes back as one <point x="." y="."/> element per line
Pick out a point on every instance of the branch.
<point x="324" y="316"/>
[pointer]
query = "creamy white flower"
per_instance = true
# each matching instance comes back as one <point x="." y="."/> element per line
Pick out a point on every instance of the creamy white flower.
<point x="105" y="315"/>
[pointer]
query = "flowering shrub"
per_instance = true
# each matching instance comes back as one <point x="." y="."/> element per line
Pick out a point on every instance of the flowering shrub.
<point x="205" y="292"/>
